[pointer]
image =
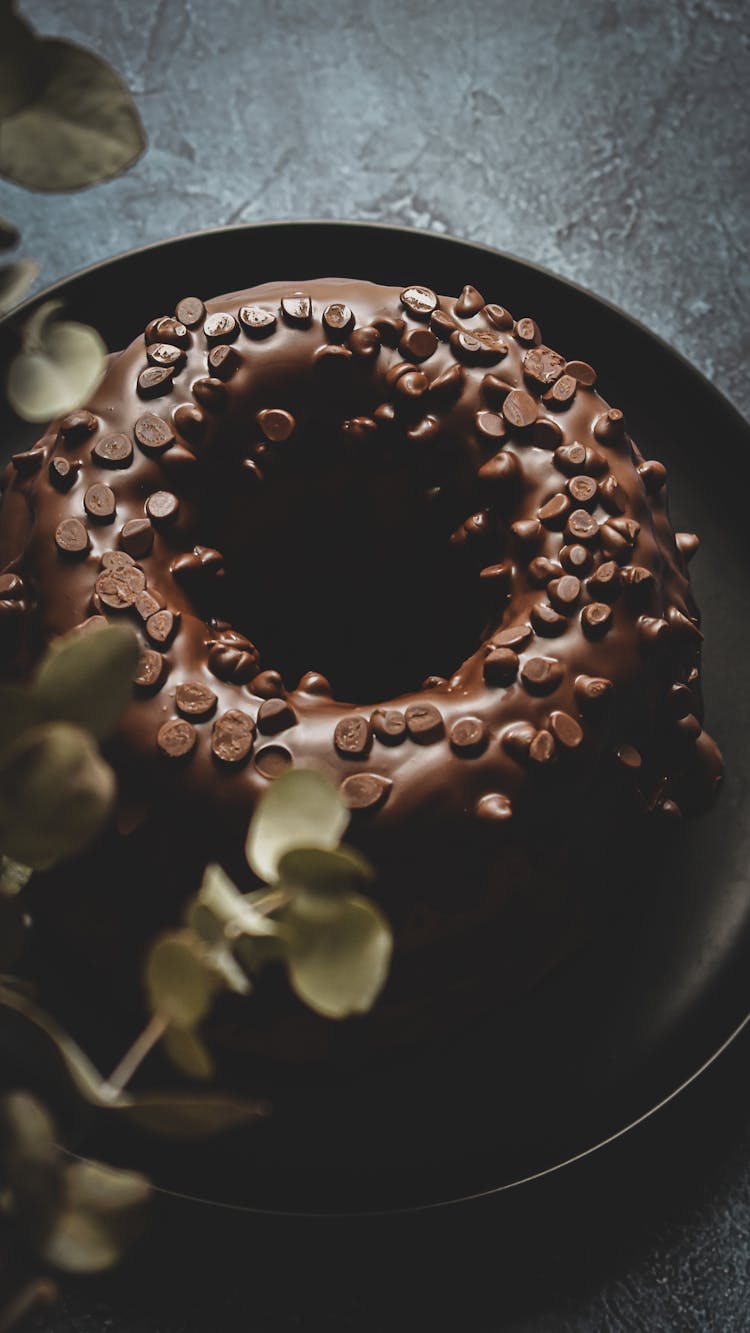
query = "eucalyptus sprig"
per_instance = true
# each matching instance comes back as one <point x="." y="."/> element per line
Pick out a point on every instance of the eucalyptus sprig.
<point x="334" y="942"/>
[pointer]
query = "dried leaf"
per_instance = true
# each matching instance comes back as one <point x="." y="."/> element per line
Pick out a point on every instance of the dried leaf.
<point x="338" y="953"/>
<point x="300" y="809"/>
<point x="55" y="793"/>
<point x="58" y="367"/>
<point x="88" y="678"/>
<point x="15" y="280"/>
<point x="80" y="127"/>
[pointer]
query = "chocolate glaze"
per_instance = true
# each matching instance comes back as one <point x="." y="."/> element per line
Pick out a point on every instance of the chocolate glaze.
<point x="351" y="491"/>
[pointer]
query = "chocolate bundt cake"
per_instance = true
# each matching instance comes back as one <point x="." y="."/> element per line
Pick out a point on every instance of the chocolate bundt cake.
<point x="394" y="536"/>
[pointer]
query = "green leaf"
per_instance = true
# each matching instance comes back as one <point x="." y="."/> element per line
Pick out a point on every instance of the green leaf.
<point x="192" y="1115"/>
<point x="338" y="953"/>
<point x="55" y="793"/>
<point x="323" y="872"/>
<point x="181" y="979"/>
<point x="58" y="368"/>
<point x="103" y="1211"/>
<point x="88" y="678"/>
<point x="15" y="280"/>
<point x="233" y="911"/>
<point x="300" y="809"/>
<point x="188" y="1053"/>
<point x="23" y="64"/>
<point x="29" y="1162"/>
<point x="81" y="126"/>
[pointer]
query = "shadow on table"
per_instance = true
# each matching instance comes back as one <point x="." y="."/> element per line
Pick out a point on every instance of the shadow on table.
<point x="486" y="1265"/>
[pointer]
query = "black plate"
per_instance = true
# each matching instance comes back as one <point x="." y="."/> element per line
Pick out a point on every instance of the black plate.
<point x="623" y="1028"/>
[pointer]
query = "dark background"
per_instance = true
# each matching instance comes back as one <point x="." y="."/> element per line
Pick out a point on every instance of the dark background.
<point x="611" y="142"/>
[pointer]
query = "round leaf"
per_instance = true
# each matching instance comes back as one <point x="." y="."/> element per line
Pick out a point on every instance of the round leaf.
<point x="78" y="1243"/>
<point x="55" y="793"/>
<point x="180" y="979"/>
<point x="188" y="1053"/>
<point x="88" y="678"/>
<point x="15" y="280"/>
<point x="29" y="1161"/>
<point x="58" y="368"/>
<point x="323" y="872"/>
<point x="104" y="1190"/>
<point x="300" y="809"/>
<point x="80" y="126"/>
<point x="232" y="910"/>
<point x="338" y="966"/>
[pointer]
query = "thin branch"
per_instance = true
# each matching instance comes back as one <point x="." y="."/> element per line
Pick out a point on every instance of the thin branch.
<point x="133" y="1058"/>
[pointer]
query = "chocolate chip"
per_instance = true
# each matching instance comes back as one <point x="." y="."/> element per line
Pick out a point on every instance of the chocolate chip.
<point x="449" y="383"/>
<point x="297" y="309"/>
<point x="220" y="327"/>
<point x="62" y="473"/>
<point x="117" y="589"/>
<point x="137" y="537"/>
<point x="352" y="735"/>
<point x="211" y="393"/>
<point x="233" y="658"/>
<point x="153" y="434"/>
<point x="190" y="311"/>
<point x="582" y="372"/>
<point x="469" y="303"/>
<point x="494" y="807"/>
<point x="497" y="576"/>
<point x="527" y="531"/>
<point x="517" y="740"/>
<point x="419" y="301"/>
<point x="575" y="559"/>
<point x="653" y="475"/>
<point x="116" y="560"/>
<point x="519" y="409"/>
<point x="155" y="381"/>
<point x="606" y="582"/>
<point x="542" y="748"/>
<point x="272" y="760"/>
<point x="165" y="329"/>
<point x="478" y="347"/>
<point x="494" y="390"/>
<point x="418" y="344"/>
<point x="468" y="736"/>
<point x="527" y="331"/>
<point x="653" y="631"/>
<point x="425" y="429"/>
<point x="99" y="502"/>
<point x="411" y="384"/>
<point x="543" y="366"/>
<point x="562" y="393"/>
<point x="613" y="496"/>
<point x="596" y="619"/>
<point x="687" y="544"/>
<point x="391" y="330"/>
<point x="268" y="685"/>
<point x="424" y="723"/>
<point x="256" y="321"/>
<point x="638" y="580"/>
<point x="76" y="427"/>
<point x="151" y="671"/>
<point x="276" y="423"/>
<point x="232" y="737"/>
<point x="490" y="425"/>
<point x="389" y="725"/>
<point x="554" y="511"/>
<point x="564" y="592"/>
<point x="500" y="470"/>
<point x="223" y="361"/>
<point x="682" y="626"/>
<point x="162" y="626"/>
<point x="542" y="675"/>
<point x="547" y="621"/>
<point x="365" y="342"/>
<point x="547" y="434"/>
<point x="162" y="506"/>
<point x="176" y="739"/>
<point x="12" y="587"/>
<point x="614" y="542"/>
<point x="583" y="489"/>
<point x="592" y="691"/>
<point x="500" y="666"/>
<point x="540" y="570"/>
<point x="338" y="319"/>
<point x="251" y="473"/>
<point x="195" y="700"/>
<point x="629" y="758"/>
<point x="166" y="354"/>
<point x="582" y="526"/>
<point x="365" y="791"/>
<point x="28" y="462"/>
<point x="513" y="636"/>
<point x="565" y="729"/>
<point x="498" y="316"/>
<point x="114" y="451"/>
<point x="313" y="682"/>
<point x="275" y="715"/>
<point x="610" y="426"/>
<point x="146" y="604"/>
<point x="570" y="458"/>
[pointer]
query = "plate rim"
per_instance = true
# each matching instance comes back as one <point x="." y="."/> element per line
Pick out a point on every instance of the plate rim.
<point x="706" y="386"/>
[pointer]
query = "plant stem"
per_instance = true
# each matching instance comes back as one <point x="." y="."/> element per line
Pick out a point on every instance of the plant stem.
<point x="124" y="1071"/>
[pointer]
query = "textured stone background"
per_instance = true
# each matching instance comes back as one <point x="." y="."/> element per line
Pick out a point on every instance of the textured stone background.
<point x="609" y="140"/>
